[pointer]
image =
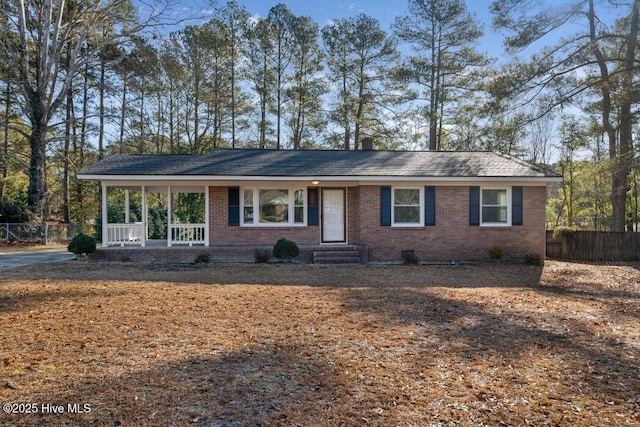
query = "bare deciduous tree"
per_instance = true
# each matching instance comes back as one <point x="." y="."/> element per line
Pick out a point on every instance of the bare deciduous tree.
<point x="47" y="42"/>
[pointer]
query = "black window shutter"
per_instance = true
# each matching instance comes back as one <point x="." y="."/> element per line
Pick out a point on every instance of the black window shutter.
<point x="429" y="205"/>
<point x="234" y="206"/>
<point x="516" y="205"/>
<point x="313" y="208"/>
<point x="385" y="206"/>
<point x="474" y="205"/>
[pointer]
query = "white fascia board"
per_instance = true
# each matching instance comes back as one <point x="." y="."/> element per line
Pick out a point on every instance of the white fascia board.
<point x="353" y="180"/>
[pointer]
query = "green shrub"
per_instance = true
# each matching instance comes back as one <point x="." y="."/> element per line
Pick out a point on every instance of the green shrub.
<point x="534" y="259"/>
<point x="82" y="244"/>
<point x="262" y="256"/>
<point x="409" y="257"/>
<point x="202" y="258"/>
<point x="496" y="253"/>
<point x="285" y="250"/>
<point x="564" y="230"/>
<point x="13" y="212"/>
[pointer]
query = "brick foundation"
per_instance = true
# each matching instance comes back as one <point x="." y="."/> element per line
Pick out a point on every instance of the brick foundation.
<point x="217" y="254"/>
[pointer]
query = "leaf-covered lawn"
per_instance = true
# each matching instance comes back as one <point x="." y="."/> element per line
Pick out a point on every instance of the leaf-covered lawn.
<point x="229" y="345"/>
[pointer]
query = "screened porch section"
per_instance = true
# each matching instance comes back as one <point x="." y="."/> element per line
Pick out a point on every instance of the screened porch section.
<point x="140" y="215"/>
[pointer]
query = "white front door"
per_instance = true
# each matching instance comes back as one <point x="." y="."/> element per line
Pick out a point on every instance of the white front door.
<point x="333" y="215"/>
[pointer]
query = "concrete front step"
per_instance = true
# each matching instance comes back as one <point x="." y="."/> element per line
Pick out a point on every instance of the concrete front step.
<point x="336" y="257"/>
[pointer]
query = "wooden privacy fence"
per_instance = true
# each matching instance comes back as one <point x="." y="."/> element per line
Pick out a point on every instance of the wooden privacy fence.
<point x="594" y="246"/>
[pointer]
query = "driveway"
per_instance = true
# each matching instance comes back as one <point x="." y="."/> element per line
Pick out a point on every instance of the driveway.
<point x="17" y="259"/>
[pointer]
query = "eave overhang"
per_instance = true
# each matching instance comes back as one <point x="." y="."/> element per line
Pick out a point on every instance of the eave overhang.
<point x="212" y="179"/>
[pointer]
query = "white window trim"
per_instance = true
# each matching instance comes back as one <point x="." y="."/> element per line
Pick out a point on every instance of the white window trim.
<point x="496" y="224"/>
<point x="291" y="206"/>
<point x="393" y="205"/>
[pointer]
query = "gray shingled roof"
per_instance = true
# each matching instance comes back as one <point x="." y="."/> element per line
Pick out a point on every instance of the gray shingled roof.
<point x="317" y="163"/>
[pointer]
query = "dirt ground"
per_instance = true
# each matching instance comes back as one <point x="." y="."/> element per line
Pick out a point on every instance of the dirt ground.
<point x="301" y="345"/>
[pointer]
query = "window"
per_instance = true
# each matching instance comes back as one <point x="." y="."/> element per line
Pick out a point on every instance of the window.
<point x="273" y="206"/>
<point x="494" y="209"/>
<point x="298" y="207"/>
<point x="248" y="207"/>
<point x="407" y="207"/>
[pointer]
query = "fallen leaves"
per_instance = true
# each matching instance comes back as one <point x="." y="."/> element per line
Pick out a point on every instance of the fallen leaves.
<point x="147" y="344"/>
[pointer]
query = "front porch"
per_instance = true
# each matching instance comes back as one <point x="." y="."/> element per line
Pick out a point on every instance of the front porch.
<point x="134" y="234"/>
<point x="132" y="226"/>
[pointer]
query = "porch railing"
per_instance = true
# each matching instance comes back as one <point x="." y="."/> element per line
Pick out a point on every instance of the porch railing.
<point x="187" y="234"/>
<point x="125" y="234"/>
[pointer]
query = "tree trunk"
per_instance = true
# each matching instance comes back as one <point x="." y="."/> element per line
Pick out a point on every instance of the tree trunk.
<point x="263" y="122"/>
<point x="298" y="127"/>
<point x="5" y="144"/>
<point x="623" y="162"/>
<point x="196" y="112"/>
<point x="299" y="121"/>
<point x="37" y="190"/>
<point x="123" y="112"/>
<point x="433" y="94"/>
<point x="345" y="112"/>
<point x="278" y="109"/>
<point x="441" y="92"/>
<point x="101" y="90"/>
<point x="263" y="103"/>
<point x="173" y="146"/>
<point x="618" y="174"/>
<point x="65" y="174"/>
<point x="233" y="87"/>
<point x="159" y="141"/>
<point x="141" y="142"/>
<point x="78" y="149"/>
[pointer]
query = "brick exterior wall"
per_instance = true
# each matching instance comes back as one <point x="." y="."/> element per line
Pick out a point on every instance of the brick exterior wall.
<point x="220" y="233"/>
<point x="353" y="199"/>
<point x="452" y="238"/>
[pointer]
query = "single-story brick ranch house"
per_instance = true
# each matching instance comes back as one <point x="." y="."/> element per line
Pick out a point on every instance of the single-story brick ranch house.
<point x="445" y="206"/>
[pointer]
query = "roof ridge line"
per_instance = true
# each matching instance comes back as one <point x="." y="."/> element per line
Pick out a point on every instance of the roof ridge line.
<point x="524" y="162"/>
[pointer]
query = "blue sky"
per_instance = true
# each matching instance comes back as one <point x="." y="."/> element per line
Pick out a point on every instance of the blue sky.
<point x="324" y="11"/>
<point x="384" y="10"/>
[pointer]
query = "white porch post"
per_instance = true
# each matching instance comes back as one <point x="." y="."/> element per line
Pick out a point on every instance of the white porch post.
<point x="206" y="215"/>
<point x="145" y="225"/>
<point x="169" y="215"/>
<point x="126" y="207"/>
<point x="105" y="214"/>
